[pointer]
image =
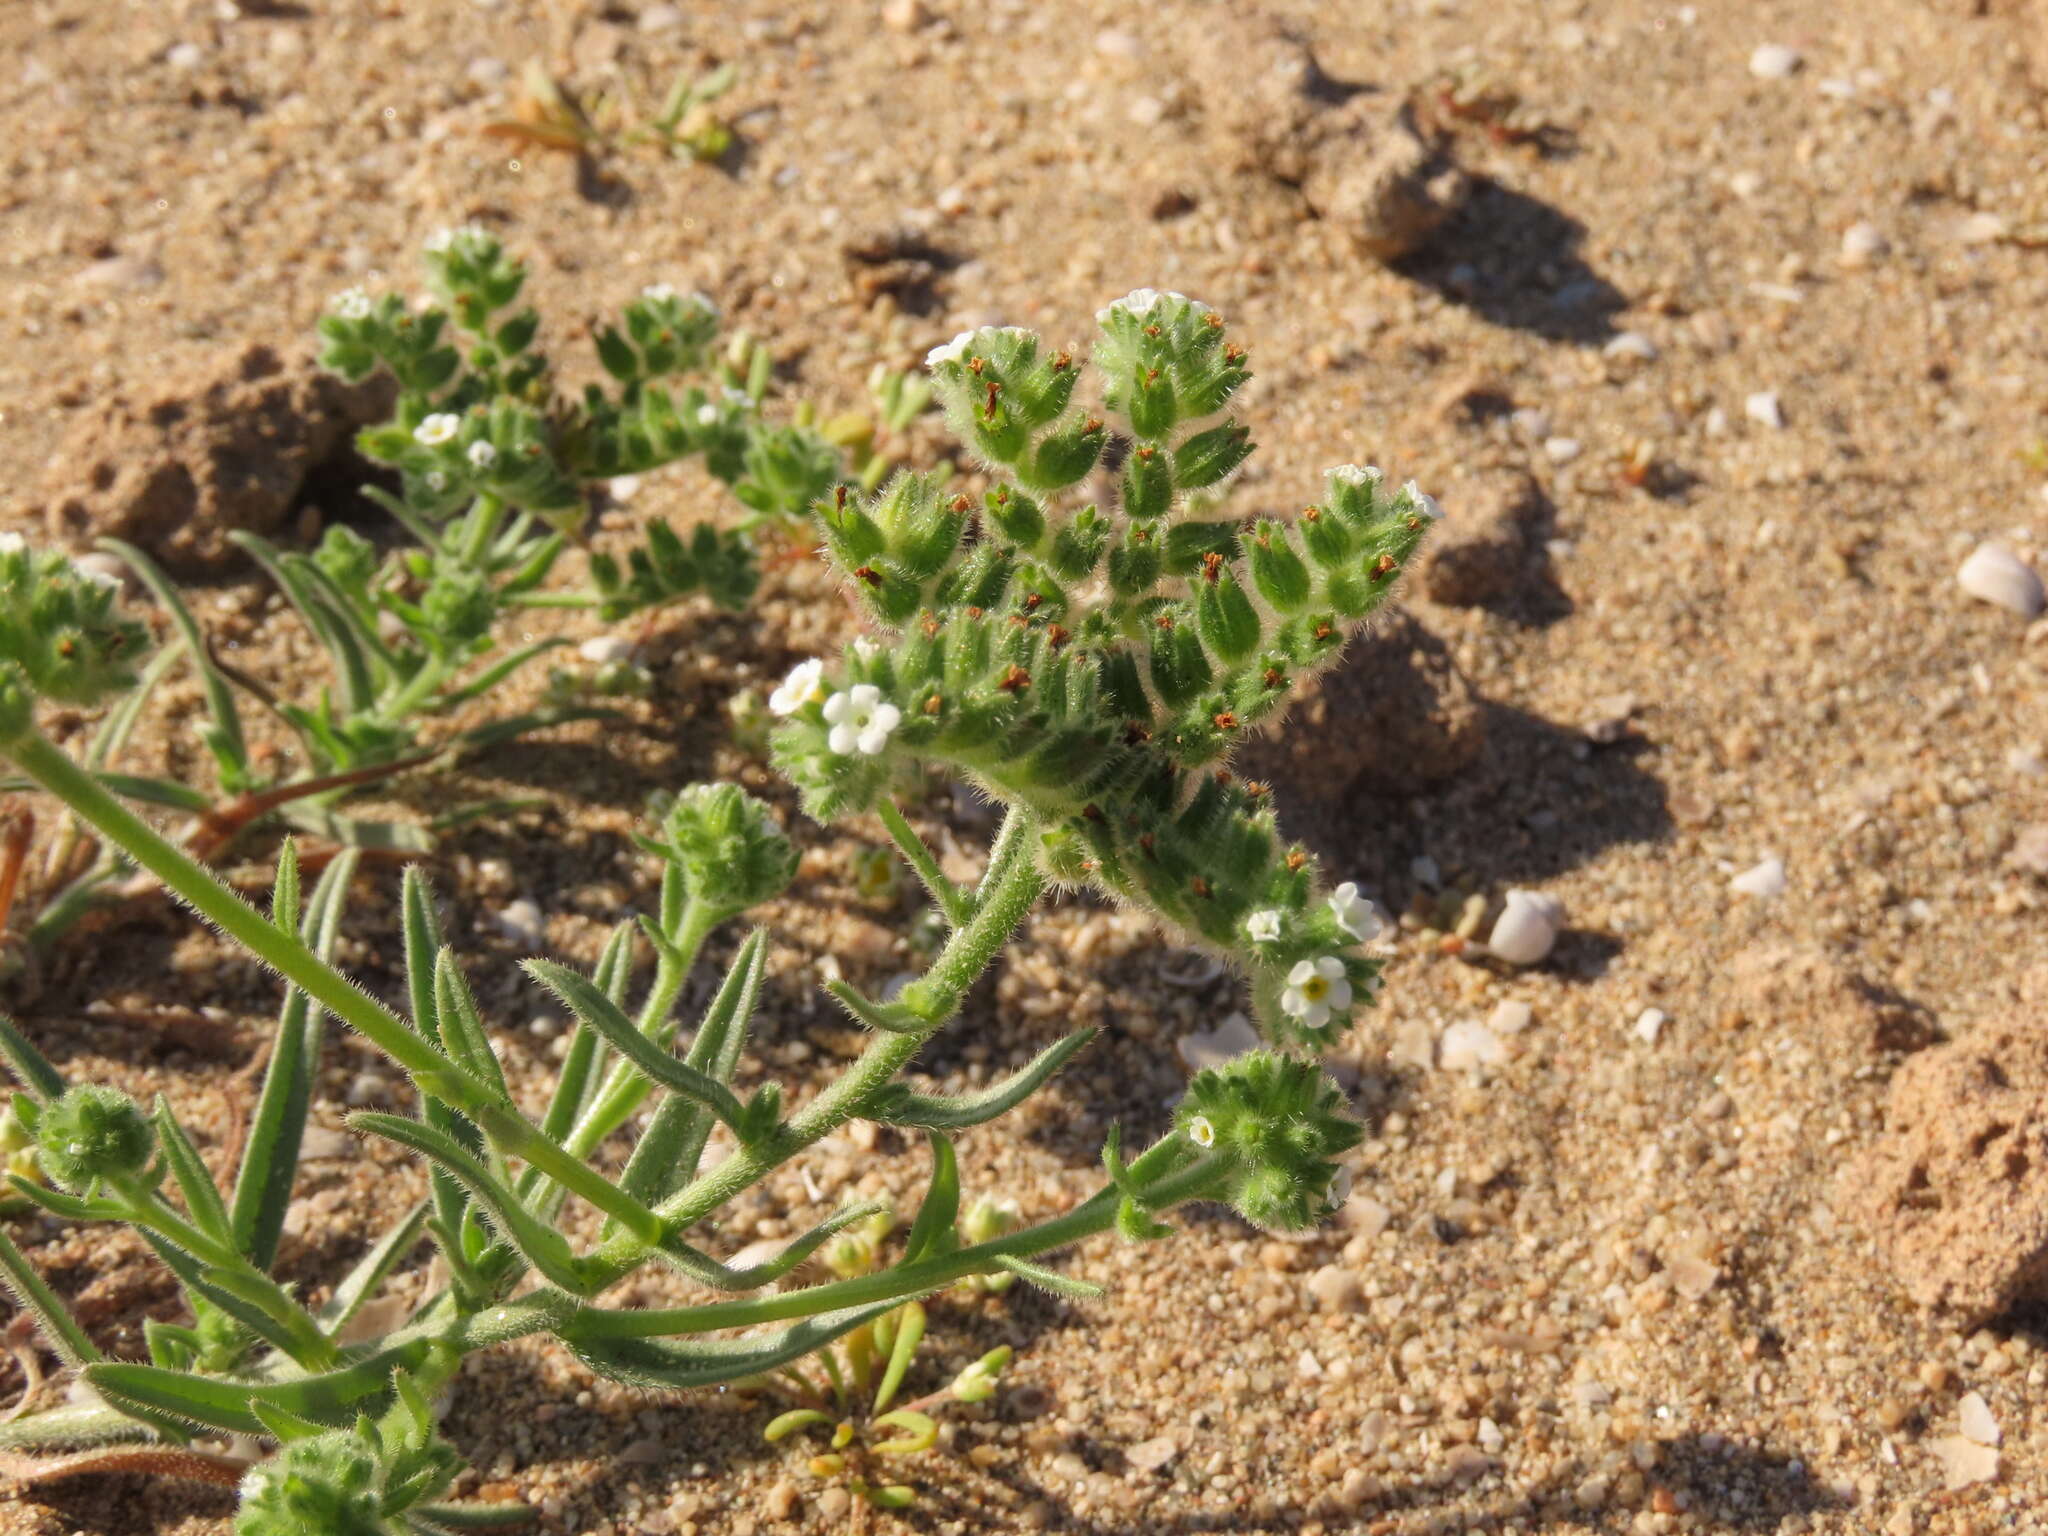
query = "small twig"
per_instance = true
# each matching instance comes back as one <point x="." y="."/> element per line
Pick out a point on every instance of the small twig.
<point x="21" y="826"/>
<point x="163" y="1460"/>
<point x="215" y="830"/>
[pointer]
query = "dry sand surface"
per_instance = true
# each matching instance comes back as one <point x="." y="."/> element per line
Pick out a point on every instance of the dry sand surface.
<point x="1727" y="363"/>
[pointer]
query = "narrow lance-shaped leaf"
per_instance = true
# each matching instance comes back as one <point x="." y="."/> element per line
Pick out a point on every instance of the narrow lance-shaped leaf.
<point x="707" y="1270"/>
<point x="598" y="1011"/>
<point x="543" y="1247"/>
<point x="941" y="1205"/>
<point x="580" y="1066"/>
<point x="361" y="1283"/>
<point x="225" y="737"/>
<point x="670" y="1149"/>
<point x="59" y="1328"/>
<point x="270" y="1158"/>
<point x="900" y="1106"/>
<point x="1048" y="1279"/>
<point x="208" y="1211"/>
<point x="909" y="1334"/>
<point x="668" y="1365"/>
<point x="30" y="1067"/>
<point x="462" y="1027"/>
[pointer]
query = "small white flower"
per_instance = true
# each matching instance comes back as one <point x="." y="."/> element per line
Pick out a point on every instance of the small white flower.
<point x="865" y="648"/>
<point x="1354" y="474"/>
<point x="660" y="293"/>
<point x="1263" y="926"/>
<point x="801" y="687"/>
<point x="1339" y="1189"/>
<point x="1315" y="990"/>
<point x="439" y="241"/>
<point x="351" y="304"/>
<point x="12" y="544"/>
<point x="437" y="429"/>
<point x="1140" y="302"/>
<point x="1354" y="913"/>
<point x="1425" y="503"/>
<point x="952" y="352"/>
<point x="482" y="455"/>
<point x="436" y="481"/>
<point x="707" y="415"/>
<point x="861" y="720"/>
<point x="1201" y="1132"/>
<point x="97" y="577"/>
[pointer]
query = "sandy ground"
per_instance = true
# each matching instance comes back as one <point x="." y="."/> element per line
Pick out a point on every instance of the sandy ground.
<point x="1601" y="1283"/>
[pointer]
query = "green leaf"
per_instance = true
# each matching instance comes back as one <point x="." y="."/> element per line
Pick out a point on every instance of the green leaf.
<point x="924" y="1434"/>
<point x="542" y="1247"/>
<point x="784" y="1425"/>
<point x="909" y="1334"/>
<point x="890" y="1018"/>
<point x="59" y="1328"/>
<point x="228" y="1291"/>
<point x="163" y="792"/>
<point x="371" y="1269"/>
<point x="667" y="1365"/>
<point x="1049" y="1279"/>
<point x="284" y="893"/>
<point x="226" y="737"/>
<point x="702" y="1267"/>
<point x="941" y="1204"/>
<point x="462" y="1027"/>
<point x="498" y="1516"/>
<point x="591" y="1006"/>
<point x="208" y="1211"/>
<point x="670" y="1149"/>
<point x="270" y="1157"/>
<point x="898" y="1105"/>
<point x="30" y="1067"/>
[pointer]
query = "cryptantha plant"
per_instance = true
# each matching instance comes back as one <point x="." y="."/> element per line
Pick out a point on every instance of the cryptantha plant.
<point x="1089" y="666"/>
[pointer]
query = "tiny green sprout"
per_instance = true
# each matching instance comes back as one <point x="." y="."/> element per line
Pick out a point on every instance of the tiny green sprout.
<point x="686" y="126"/>
<point x="977" y="1383"/>
<point x="92" y="1135"/>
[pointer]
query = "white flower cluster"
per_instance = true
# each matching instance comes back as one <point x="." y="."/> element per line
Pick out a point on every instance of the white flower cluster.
<point x="1354" y="915"/>
<point x="955" y="350"/>
<point x="351" y="304"/>
<point x="443" y="240"/>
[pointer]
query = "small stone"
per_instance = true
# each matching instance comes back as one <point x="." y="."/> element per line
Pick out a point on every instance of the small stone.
<point x="1491" y="1440"/>
<point x="1693" y="1276"/>
<point x="1981" y="229"/>
<point x="1467" y="1046"/>
<point x="1774" y="61"/>
<point x="1532" y="423"/>
<point x="1631" y="344"/>
<point x="1994" y="574"/>
<point x="1365" y="1215"/>
<point x="661" y="18"/>
<point x="1335" y="1289"/>
<point x="1975" y="1419"/>
<point x="1119" y="45"/>
<point x="1358" y="1488"/>
<point x="1746" y="184"/>
<point x="1650" y="1024"/>
<point x="1862" y="243"/>
<point x="1764" y="880"/>
<point x="366" y="1088"/>
<point x="1510" y="1016"/>
<point x="185" y="56"/>
<point x="1211" y="1048"/>
<point x="905" y="15"/>
<point x="1562" y="450"/>
<point x="622" y="488"/>
<point x="129" y="274"/>
<point x="605" y="650"/>
<point x="781" y="1501"/>
<point x="522" y="922"/>
<point x="833" y="1504"/>
<point x="1527" y="928"/>
<point x="1763" y="409"/>
<point x="2029" y="852"/>
<point x="1964" y="1462"/>
<point x="1153" y="1455"/>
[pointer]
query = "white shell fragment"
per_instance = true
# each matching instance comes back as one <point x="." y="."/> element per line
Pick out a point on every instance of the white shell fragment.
<point x="1974" y="1418"/>
<point x="1994" y="574"/>
<point x="1763" y="409"/>
<point x="1862" y="243"/>
<point x="1764" y="880"/>
<point x="1527" y="928"/>
<point x="603" y="650"/>
<point x="1467" y="1046"/>
<point x="1211" y="1048"/>
<point x="1773" y="61"/>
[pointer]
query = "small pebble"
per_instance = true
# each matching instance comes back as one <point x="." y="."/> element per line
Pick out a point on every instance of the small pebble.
<point x="1746" y="183"/>
<point x="1994" y="574"/>
<point x="1152" y="1455"/>
<point x="1510" y="1017"/>
<point x="1561" y="450"/>
<point x="1532" y="423"/>
<point x="1774" y="61"/>
<point x="521" y="922"/>
<point x="604" y="650"/>
<point x="1119" y="45"/>
<point x="1527" y="928"/>
<point x="1964" y="1462"/>
<point x="185" y="56"/>
<point x="1862" y="243"/>
<point x="1633" y="344"/>
<point x="1981" y="229"/>
<point x="661" y="18"/>
<point x="1763" y="880"/>
<point x="1974" y="1418"/>
<point x="1467" y="1046"/>
<point x="1763" y="409"/>
<point x="1335" y="1288"/>
<point x="1650" y="1024"/>
<point x="1210" y="1048"/>
<point x="905" y="15"/>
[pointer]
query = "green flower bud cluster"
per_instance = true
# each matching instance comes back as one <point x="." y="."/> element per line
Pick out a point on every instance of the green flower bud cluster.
<point x="1097" y="666"/>
<point x="1276" y="1125"/>
<point x="63" y="635"/>
<point x="92" y="1134"/>
<point x="731" y="852"/>
<point x="342" y="1483"/>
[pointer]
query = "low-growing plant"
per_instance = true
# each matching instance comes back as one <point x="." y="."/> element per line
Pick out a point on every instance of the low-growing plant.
<point x="1088" y="667"/>
<point x="495" y="471"/>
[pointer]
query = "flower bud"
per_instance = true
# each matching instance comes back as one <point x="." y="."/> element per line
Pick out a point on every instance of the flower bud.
<point x="93" y="1133"/>
<point x="327" y="1483"/>
<point x="1277" y="1125"/>
<point x="729" y="847"/>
